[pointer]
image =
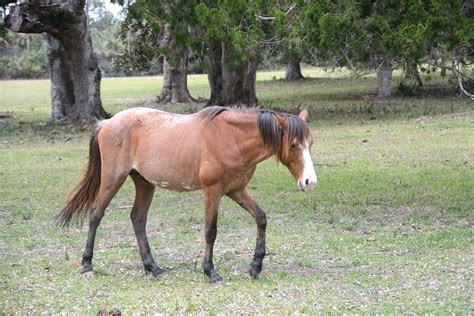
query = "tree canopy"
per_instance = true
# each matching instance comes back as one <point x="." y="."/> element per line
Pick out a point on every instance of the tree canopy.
<point x="228" y="39"/>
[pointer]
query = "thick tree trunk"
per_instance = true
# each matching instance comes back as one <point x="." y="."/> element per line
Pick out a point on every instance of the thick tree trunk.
<point x="75" y="75"/>
<point x="293" y="70"/>
<point x="62" y="89"/>
<point x="214" y="74"/>
<point x="384" y="77"/>
<point x="175" y="78"/>
<point x="175" y="84"/>
<point x="231" y="81"/>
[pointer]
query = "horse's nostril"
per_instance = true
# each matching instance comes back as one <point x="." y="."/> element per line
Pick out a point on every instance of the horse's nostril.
<point x="307" y="181"/>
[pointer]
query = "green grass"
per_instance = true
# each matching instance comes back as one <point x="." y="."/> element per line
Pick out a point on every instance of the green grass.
<point x="389" y="229"/>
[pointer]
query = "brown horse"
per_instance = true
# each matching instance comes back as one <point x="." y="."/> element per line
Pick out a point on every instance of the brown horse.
<point x="216" y="150"/>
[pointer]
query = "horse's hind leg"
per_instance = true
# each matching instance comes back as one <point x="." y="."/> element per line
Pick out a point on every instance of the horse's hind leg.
<point x="144" y="196"/>
<point x="246" y="201"/>
<point x="109" y="186"/>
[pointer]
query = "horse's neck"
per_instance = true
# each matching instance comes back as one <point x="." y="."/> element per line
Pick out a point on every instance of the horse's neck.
<point x="252" y="144"/>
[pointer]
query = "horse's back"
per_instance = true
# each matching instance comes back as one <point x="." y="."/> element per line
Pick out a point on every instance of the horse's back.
<point x="163" y="147"/>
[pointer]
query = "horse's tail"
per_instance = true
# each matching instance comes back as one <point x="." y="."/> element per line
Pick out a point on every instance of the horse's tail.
<point x="84" y="193"/>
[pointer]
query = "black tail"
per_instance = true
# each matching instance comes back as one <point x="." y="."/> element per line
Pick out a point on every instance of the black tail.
<point x="85" y="192"/>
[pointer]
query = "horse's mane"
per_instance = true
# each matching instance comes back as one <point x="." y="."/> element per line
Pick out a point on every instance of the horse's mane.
<point x="209" y="113"/>
<point x="267" y="120"/>
<point x="273" y="134"/>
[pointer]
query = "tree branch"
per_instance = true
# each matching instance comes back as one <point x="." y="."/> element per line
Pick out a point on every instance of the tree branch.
<point x="266" y="18"/>
<point x="459" y="76"/>
<point x="455" y="69"/>
<point x="38" y="17"/>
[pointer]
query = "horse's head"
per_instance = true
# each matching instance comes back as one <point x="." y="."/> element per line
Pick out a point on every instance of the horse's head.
<point x="295" y="150"/>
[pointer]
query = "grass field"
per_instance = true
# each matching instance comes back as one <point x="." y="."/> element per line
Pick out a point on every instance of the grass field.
<point x="389" y="229"/>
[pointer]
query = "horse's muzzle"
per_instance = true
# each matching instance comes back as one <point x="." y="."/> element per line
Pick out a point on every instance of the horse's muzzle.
<point x="307" y="184"/>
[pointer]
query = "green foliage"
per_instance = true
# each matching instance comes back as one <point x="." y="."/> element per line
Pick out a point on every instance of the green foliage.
<point x="364" y="33"/>
<point x="330" y="32"/>
<point x="194" y="25"/>
<point x="137" y="52"/>
<point x="289" y="34"/>
<point x="142" y="33"/>
<point x="104" y="31"/>
<point x="235" y="23"/>
<point x="23" y="56"/>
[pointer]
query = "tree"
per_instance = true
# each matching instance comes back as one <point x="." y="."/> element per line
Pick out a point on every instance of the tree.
<point x="232" y="34"/>
<point x="160" y="29"/>
<point x="289" y="36"/>
<point x="23" y="56"/>
<point x="358" y="35"/>
<point x="104" y="29"/>
<point x="383" y="34"/>
<point x="75" y="76"/>
<point x="449" y="42"/>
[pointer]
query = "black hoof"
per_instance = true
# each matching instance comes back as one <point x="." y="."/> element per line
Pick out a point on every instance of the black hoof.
<point x="156" y="272"/>
<point x="254" y="274"/>
<point x="86" y="271"/>
<point x="159" y="273"/>
<point x="216" y="278"/>
<point x="86" y="267"/>
<point x="255" y="270"/>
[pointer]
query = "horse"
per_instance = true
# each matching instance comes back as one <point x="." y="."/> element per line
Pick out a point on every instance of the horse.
<point x="215" y="150"/>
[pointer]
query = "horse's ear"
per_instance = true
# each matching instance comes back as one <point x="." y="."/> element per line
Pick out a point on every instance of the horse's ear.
<point x="304" y="115"/>
<point x="282" y="121"/>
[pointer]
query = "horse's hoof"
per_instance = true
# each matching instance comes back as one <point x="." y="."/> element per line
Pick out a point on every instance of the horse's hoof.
<point x="87" y="271"/>
<point x="254" y="274"/>
<point x="88" y="274"/>
<point x="216" y="278"/>
<point x="159" y="273"/>
<point x="156" y="272"/>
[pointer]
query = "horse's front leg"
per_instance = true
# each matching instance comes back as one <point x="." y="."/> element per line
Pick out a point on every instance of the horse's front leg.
<point x="247" y="202"/>
<point x="212" y="199"/>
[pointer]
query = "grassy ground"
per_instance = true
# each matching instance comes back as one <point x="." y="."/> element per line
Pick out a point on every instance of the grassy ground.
<point x="389" y="229"/>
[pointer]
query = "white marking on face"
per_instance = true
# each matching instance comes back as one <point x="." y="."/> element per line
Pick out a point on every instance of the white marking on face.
<point x="309" y="178"/>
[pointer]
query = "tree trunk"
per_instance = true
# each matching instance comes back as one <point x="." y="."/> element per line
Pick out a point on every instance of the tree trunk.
<point x="62" y="90"/>
<point x="232" y="81"/>
<point x="214" y="74"/>
<point x="175" y="84"/>
<point x="75" y="75"/>
<point x="412" y="73"/>
<point x="384" y="77"/>
<point x="175" y="78"/>
<point x="293" y="70"/>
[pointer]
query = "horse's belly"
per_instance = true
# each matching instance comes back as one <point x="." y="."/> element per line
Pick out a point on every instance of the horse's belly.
<point x="169" y="155"/>
<point x="172" y="184"/>
<point x="172" y="175"/>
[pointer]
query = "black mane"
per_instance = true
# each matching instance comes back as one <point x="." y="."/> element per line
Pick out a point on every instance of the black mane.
<point x="211" y="112"/>
<point x="270" y="129"/>
<point x="267" y="120"/>
<point x="273" y="134"/>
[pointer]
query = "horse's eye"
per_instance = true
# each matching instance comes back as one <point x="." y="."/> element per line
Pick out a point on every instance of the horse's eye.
<point x="293" y="146"/>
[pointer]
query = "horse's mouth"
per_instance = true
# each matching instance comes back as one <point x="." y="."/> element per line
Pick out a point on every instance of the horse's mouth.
<point x="306" y="186"/>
